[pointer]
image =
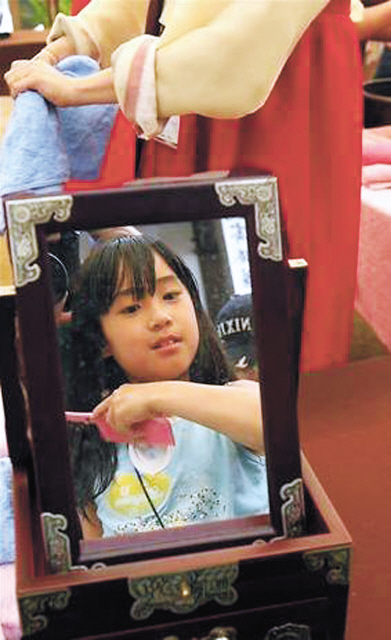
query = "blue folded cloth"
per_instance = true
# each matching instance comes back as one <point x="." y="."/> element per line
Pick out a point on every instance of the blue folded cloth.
<point x="85" y="129"/>
<point x="7" y="532"/>
<point x="44" y="145"/>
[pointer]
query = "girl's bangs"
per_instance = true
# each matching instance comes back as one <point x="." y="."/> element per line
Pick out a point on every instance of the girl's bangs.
<point x="135" y="269"/>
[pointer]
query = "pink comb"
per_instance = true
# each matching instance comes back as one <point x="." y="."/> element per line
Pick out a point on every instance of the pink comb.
<point x="78" y="416"/>
<point x="151" y="446"/>
<point x="155" y="432"/>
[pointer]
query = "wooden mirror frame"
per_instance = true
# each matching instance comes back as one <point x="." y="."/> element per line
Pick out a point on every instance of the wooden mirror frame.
<point x="275" y="278"/>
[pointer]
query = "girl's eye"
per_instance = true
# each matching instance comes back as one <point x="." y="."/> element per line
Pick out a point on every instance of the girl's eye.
<point x="130" y="309"/>
<point x="171" y="295"/>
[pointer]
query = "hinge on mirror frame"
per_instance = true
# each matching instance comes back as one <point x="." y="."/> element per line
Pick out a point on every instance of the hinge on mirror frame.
<point x="57" y="544"/>
<point x="293" y="508"/>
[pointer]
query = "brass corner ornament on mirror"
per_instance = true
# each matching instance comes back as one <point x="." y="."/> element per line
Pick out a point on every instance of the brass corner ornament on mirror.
<point x="172" y="210"/>
<point x="23" y="216"/>
<point x="263" y="196"/>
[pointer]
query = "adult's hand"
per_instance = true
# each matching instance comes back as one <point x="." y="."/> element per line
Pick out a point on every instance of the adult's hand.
<point x="58" y="88"/>
<point x="38" y="75"/>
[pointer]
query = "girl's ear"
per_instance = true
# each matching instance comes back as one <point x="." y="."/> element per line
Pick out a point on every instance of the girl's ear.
<point x="106" y="351"/>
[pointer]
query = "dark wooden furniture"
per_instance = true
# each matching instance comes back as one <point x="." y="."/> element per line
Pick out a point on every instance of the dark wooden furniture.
<point x="280" y="577"/>
<point x="285" y="589"/>
<point x="23" y="44"/>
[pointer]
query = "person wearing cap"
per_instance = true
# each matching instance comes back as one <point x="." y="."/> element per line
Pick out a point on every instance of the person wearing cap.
<point x="234" y="323"/>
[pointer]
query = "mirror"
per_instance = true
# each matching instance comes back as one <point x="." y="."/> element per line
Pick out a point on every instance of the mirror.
<point x="217" y="220"/>
<point x="147" y="500"/>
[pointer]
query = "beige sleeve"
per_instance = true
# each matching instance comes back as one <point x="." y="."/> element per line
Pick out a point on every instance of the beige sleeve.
<point x="102" y="26"/>
<point x="228" y="67"/>
<point x="218" y="59"/>
<point x="356" y="10"/>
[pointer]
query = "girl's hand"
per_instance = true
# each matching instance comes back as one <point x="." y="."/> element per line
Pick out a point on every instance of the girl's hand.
<point x="129" y="404"/>
<point x="39" y="75"/>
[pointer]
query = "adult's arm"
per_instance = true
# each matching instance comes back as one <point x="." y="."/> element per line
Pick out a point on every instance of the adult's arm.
<point x="218" y="59"/>
<point x="376" y="23"/>
<point x="101" y="27"/>
<point x="96" y="31"/>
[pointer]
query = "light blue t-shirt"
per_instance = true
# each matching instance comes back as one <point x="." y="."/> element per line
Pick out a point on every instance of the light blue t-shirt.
<point x="208" y="478"/>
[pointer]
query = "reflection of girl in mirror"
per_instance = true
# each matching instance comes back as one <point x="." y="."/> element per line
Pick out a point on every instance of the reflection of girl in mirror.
<point x="139" y="331"/>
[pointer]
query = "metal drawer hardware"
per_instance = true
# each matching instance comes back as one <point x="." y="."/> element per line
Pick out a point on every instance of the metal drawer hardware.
<point x="289" y="631"/>
<point x="222" y="633"/>
<point x="217" y="633"/>
<point x="32" y="609"/>
<point x="334" y="564"/>
<point x="183" y="592"/>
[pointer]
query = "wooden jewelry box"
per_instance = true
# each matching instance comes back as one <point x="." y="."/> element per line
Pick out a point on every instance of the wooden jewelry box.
<point x="282" y="576"/>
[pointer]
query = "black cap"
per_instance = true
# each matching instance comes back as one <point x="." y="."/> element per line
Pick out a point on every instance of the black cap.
<point x="234" y="324"/>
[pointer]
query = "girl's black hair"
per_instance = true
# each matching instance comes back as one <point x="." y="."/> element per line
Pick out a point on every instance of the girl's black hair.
<point x="90" y="376"/>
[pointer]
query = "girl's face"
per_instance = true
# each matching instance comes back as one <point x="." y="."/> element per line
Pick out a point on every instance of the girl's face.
<point x="157" y="337"/>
